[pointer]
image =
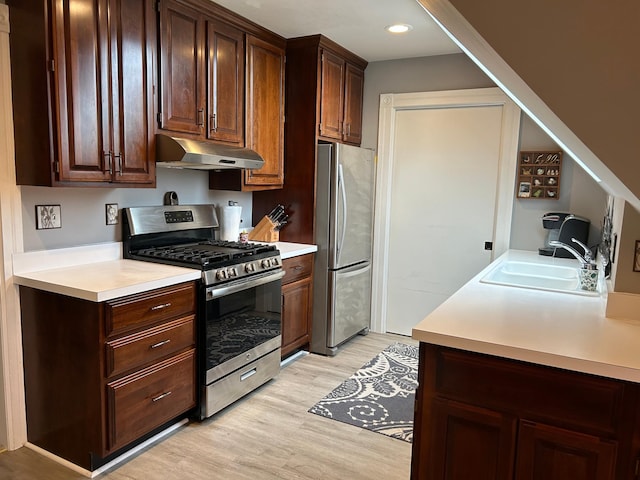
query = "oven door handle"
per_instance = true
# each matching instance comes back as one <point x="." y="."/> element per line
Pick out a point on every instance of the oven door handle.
<point x="220" y="291"/>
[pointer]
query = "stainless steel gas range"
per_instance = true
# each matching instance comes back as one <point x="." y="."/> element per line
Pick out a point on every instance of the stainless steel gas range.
<point x="239" y="305"/>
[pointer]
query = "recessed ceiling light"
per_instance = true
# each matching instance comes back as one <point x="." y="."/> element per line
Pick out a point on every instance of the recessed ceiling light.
<point x="398" y="28"/>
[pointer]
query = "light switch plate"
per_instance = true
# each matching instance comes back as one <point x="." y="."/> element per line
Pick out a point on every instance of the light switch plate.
<point x="111" y="213"/>
<point x="48" y="216"/>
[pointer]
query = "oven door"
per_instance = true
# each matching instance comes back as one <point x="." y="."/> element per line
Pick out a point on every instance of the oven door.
<point x="242" y="322"/>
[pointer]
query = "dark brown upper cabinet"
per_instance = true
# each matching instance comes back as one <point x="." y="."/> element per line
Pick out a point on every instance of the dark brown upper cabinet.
<point x="83" y="91"/>
<point x="323" y="103"/>
<point x="225" y="54"/>
<point x="202" y="74"/>
<point x="222" y="80"/>
<point x="341" y="88"/>
<point x="265" y="112"/>
<point x="264" y="119"/>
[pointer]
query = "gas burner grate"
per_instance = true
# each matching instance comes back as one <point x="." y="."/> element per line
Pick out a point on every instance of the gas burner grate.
<point x="205" y="254"/>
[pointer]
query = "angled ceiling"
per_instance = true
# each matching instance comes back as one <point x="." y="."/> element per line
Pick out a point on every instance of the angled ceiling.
<point x="357" y="25"/>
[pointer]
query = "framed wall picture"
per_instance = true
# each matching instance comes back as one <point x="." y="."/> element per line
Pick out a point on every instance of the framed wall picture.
<point x="48" y="216"/>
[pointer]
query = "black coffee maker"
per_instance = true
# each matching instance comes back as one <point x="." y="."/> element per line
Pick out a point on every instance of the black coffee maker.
<point x="562" y="227"/>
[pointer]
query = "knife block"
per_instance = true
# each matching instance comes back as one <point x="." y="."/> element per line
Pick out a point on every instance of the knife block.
<point x="264" y="231"/>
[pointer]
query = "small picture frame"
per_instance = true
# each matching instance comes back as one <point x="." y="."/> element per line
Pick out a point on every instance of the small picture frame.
<point x="636" y="257"/>
<point x="524" y="189"/>
<point x="111" y="213"/>
<point x="48" y="216"/>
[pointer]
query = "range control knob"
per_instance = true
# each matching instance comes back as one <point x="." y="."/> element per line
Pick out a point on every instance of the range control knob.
<point x="233" y="272"/>
<point x="249" y="268"/>
<point x="221" y="274"/>
<point x="266" y="263"/>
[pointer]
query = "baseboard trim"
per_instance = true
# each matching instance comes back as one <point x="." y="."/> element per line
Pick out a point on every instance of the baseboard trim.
<point x="112" y="463"/>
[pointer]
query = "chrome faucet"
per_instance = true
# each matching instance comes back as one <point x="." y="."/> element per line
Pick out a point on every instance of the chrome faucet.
<point x="586" y="260"/>
<point x="588" y="273"/>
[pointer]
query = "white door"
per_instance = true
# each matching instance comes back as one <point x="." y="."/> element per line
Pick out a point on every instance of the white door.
<point x="447" y="167"/>
<point x="442" y="206"/>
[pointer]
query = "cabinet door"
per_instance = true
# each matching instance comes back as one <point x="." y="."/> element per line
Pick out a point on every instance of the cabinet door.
<point x="331" y="95"/>
<point x="265" y="112"/>
<point x="469" y="443"/>
<point x="133" y="36"/>
<point x="225" y="67"/>
<point x="353" y="97"/>
<point x="81" y="91"/>
<point x="549" y="453"/>
<point x="296" y="313"/>
<point x="182" y="68"/>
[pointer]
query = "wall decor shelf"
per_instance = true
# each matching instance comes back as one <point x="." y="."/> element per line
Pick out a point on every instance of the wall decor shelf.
<point x="539" y="174"/>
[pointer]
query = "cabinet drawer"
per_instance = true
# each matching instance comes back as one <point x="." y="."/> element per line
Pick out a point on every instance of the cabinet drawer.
<point x="150" y="345"/>
<point x="144" y="400"/>
<point x="569" y="399"/>
<point x="297" y="267"/>
<point x="136" y="311"/>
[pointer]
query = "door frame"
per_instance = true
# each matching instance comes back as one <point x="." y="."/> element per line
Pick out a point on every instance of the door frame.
<point x="390" y="104"/>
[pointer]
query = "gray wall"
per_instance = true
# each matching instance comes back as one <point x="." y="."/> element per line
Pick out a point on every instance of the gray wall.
<point x="443" y="72"/>
<point x="579" y="194"/>
<point x="83" y="209"/>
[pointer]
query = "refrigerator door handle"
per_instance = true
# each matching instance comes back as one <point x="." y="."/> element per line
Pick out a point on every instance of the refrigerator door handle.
<point x="343" y="193"/>
<point x="354" y="270"/>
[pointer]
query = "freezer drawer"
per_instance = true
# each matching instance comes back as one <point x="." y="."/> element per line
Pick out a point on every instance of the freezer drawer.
<point x="350" y="311"/>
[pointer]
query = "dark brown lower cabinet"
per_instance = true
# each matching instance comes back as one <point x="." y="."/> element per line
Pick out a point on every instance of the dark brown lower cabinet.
<point x="488" y="418"/>
<point x="297" y="302"/>
<point x="102" y="376"/>
<point x="549" y="453"/>
<point x="477" y="443"/>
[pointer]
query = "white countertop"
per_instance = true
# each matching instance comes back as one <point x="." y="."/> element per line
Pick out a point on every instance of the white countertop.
<point x="549" y="328"/>
<point x="288" y="249"/>
<point x="99" y="273"/>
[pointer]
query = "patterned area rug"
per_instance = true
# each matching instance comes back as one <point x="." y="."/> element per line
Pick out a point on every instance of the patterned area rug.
<point x="379" y="396"/>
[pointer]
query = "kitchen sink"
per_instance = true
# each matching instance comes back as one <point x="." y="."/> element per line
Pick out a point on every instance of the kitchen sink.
<point x="538" y="276"/>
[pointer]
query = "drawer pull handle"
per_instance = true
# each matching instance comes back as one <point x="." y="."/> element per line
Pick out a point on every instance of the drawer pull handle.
<point x="297" y="267"/>
<point x="248" y="374"/>
<point x="161" y="306"/>
<point x="159" y="344"/>
<point x="160" y="397"/>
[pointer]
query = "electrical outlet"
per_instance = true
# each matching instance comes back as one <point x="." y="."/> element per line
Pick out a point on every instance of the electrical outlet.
<point x="111" y="213"/>
<point x="48" y="216"/>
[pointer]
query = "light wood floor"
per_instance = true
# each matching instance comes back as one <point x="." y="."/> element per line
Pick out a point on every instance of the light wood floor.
<point x="267" y="435"/>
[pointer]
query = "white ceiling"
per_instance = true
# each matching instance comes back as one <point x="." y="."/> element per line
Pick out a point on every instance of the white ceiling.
<point x="357" y="25"/>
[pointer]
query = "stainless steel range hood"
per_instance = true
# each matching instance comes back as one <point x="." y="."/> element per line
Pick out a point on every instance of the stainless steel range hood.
<point x="172" y="152"/>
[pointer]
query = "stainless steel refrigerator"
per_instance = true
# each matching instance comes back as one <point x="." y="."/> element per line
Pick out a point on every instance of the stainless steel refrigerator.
<point x="344" y="224"/>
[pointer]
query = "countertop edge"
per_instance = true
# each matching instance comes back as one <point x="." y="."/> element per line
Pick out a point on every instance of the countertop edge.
<point x="567" y="331"/>
<point x="84" y="260"/>
<point x="126" y="289"/>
